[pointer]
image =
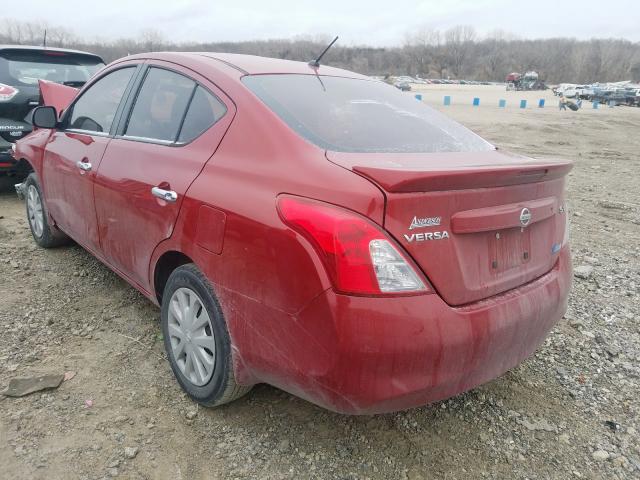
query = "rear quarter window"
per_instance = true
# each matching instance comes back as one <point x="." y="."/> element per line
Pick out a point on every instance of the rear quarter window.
<point x="204" y="111"/>
<point x="353" y="115"/>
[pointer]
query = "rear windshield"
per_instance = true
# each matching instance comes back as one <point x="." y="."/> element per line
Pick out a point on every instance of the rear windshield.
<point x="352" y="115"/>
<point x="25" y="68"/>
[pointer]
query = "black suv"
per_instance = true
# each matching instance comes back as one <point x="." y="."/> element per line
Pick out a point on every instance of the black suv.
<point x="20" y="69"/>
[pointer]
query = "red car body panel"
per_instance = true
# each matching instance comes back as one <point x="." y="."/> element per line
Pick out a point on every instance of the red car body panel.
<point x="289" y="327"/>
<point x="123" y="203"/>
<point x="69" y="190"/>
<point x="397" y="356"/>
<point x="56" y="95"/>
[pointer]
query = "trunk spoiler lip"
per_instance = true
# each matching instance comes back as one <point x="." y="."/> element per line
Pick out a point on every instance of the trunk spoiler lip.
<point x="408" y="173"/>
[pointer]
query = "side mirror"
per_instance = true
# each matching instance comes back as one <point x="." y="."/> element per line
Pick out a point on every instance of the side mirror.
<point x="45" y="117"/>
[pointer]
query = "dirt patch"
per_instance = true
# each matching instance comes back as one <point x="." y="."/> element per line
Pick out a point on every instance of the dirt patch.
<point x="571" y="411"/>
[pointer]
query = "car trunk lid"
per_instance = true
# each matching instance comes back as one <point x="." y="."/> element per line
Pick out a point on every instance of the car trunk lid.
<point x="478" y="224"/>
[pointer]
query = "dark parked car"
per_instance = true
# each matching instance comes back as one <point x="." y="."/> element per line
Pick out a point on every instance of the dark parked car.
<point x="404" y="86"/>
<point x="21" y="67"/>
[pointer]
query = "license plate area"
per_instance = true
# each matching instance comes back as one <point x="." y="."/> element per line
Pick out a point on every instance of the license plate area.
<point x="509" y="249"/>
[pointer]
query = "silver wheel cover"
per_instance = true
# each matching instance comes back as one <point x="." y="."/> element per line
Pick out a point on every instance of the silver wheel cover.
<point x="191" y="336"/>
<point x="35" y="211"/>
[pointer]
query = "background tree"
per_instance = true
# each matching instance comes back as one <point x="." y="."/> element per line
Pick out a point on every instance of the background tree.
<point x="458" y="45"/>
<point x="458" y="52"/>
<point x="635" y="72"/>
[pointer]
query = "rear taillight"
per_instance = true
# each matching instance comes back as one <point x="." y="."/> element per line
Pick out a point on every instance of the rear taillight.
<point x="7" y="92"/>
<point x="359" y="256"/>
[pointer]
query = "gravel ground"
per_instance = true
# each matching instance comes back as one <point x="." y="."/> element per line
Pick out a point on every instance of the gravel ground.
<point x="570" y="411"/>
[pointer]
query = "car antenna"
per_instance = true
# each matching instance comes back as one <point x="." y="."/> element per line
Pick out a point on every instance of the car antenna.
<point x="44" y="40"/>
<point x="316" y="63"/>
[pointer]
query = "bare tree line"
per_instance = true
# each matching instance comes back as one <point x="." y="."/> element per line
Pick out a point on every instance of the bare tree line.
<point x="459" y="52"/>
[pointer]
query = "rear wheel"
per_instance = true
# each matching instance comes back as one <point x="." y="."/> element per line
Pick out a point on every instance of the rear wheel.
<point x="44" y="234"/>
<point x="196" y="339"/>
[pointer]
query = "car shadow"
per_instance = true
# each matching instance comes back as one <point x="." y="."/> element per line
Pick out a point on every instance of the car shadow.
<point x="7" y="185"/>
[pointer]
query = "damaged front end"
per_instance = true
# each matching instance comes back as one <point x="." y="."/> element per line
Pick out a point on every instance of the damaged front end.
<point x="13" y="130"/>
<point x="56" y="95"/>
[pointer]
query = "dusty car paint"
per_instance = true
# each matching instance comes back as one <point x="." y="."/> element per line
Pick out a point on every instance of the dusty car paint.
<point x="486" y="306"/>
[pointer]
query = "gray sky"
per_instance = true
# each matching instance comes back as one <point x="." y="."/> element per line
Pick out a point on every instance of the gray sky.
<point x="370" y="22"/>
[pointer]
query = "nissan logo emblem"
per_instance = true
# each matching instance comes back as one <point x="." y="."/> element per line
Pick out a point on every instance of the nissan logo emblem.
<point x="525" y="217"/>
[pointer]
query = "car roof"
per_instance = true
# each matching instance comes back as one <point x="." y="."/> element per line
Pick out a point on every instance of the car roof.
<point x="48" y="49"/>
<point x="252" y="64"/>
<point x="255" y="65"/>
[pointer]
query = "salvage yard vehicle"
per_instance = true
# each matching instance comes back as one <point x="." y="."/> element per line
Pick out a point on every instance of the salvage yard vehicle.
<point x="21" y="67"/>
<point x="304" y="226"/>
<point x="527" y="81"/>
<point x="614" y="96"/>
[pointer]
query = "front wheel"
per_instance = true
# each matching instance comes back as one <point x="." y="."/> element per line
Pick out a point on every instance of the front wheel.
<point x="44" y="234"/>
<point x="196" y="339"/>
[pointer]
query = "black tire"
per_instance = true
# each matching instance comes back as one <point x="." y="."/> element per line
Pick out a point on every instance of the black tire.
<point x="221" y="388"/>
<point x="46" y="236"/>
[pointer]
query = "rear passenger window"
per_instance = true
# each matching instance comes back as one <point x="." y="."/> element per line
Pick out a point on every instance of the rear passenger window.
<point x="160" y="106"/>
<point x="204" y="111"/>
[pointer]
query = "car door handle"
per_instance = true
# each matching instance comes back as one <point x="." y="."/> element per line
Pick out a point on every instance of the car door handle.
<point x="85" y="166"/>
<point x="166" y="195"/>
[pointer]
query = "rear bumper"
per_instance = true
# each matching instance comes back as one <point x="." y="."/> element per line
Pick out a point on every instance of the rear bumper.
<point x="361" y="355"/>
<point x="7" y="162"/>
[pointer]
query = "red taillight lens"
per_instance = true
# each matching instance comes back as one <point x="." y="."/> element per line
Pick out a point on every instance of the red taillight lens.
<point x="7" y="92"/>
<point x="358" y="256"/>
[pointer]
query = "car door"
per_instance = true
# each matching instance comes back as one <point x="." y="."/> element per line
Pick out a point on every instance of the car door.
<point x="172" y="127"/>
<point x="74" y="152"/>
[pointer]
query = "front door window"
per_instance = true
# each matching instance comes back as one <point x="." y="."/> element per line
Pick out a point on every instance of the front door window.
<point x="95" y="110"/>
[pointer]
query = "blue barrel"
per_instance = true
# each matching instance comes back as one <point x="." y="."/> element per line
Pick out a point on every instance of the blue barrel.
<point x="419" y="96"/>
<point x="476" y="101"/>
<point x="523" y="104"/>
<point x="596" y="104"/>
<point x="502" y="103"/>
<point x="541" y="103"/>
<point x="447" y="100"/>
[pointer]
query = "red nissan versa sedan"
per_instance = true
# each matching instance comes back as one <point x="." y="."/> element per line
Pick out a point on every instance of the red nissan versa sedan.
<point x="303" y="226"/>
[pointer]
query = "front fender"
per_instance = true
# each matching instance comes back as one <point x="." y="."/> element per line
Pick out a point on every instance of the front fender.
<point x="31" y="148"/>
